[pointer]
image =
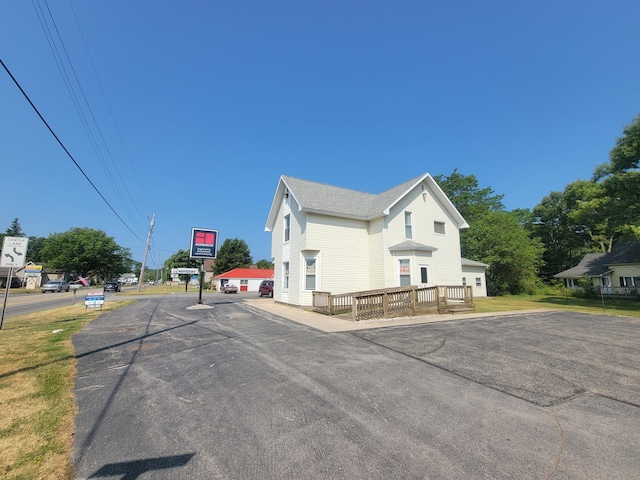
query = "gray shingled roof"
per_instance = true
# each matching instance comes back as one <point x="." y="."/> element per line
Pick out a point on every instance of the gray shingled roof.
<point x="410" y="245"/>
<point x="596" y="264"/>
<point x="346" y="203"/>
<point x="340" y="201"/>
<point x="472" y="263"/>
<point x="330" y="199"/>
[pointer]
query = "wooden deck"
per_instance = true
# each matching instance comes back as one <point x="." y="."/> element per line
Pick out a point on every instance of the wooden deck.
<point x="396" y="302"/>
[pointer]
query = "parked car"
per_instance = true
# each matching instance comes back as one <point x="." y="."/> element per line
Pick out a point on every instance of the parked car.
<point x="230" y="289"/>
<point x="55" y="286"/>
<point x="111" y="287"/>
<point x="266" y="288"/>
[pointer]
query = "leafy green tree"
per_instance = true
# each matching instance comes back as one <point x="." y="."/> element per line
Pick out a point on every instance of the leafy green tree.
<point x="264" y="264"/>
<point x="618" y="183"/>
<point x="34" y="248"/>
<point x="625" y="156"/>
<point x="500" y="240"/>
<point x="234" y="253"/>
<point x="86" y="252"/>
<point x="180" y="259"/>
<point x="465" y="193"/>
<point x="564" y="240"/>
<point x="470" y="200"/>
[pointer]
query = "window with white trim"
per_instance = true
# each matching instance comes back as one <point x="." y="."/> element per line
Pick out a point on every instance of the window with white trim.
<point x="438" y="227"/>
<point x="310" y="273"/>
<point x="408" y="225"/>
<point x="478" y="282"/>
<point x="464" y="281"/>
<point x="404" y="269"/>
<point x="287" y="227"/>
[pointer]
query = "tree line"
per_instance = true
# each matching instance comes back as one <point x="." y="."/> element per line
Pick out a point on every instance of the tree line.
<point x="525" y="248"/>
<point x="92" y="254"/>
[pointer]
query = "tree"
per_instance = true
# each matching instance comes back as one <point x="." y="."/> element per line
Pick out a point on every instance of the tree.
<point x="618" y="183"/>
<point x="86" y="252"/>
<point x="469" y="199"/>
<point x="564" y="240"/>
<point x="625" y="156"/>
<point x="180" y="259"/>
<point x="264" y="264"/>
<point x="34" y="248"/>
<point x="465" y="193"/>
<point x="499" y="240"/>
<point x="14" y="229"/>
<point x="233" y="253"/>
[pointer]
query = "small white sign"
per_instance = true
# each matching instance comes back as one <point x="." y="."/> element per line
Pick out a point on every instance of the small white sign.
<point x="14" y="251"/>
<point x="184" y="271"/>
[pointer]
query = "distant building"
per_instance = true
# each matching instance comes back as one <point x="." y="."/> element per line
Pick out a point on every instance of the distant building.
<point x="246" y="279"/>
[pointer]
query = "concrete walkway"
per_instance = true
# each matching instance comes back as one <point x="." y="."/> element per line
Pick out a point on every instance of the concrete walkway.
<point x="328" y="323"/>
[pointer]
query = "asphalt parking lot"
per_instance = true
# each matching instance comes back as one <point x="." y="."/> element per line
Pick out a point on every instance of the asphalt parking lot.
<point x="239" y="391"/>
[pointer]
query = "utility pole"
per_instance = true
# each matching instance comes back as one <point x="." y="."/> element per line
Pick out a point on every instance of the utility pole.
<point x="146" y="250"/>
<point x="158" y="269"/>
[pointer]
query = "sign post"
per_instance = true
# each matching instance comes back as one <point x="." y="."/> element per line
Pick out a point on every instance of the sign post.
<point x="204" y="244"/>
<point x="14" y="251"/>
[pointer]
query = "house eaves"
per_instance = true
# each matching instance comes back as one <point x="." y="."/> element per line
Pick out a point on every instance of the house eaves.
<point x="411" y="246"/>
<point x="471" y="263"/>
<point x="323" y="199"/>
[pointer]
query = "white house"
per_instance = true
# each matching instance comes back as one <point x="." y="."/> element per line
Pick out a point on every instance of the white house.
<point x="332" y="239"/>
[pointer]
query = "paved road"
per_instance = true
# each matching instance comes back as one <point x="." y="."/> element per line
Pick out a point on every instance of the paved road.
<point x="234" y="392"/>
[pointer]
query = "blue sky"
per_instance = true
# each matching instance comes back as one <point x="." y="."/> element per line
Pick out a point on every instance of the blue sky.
<point x="193" y="109"/>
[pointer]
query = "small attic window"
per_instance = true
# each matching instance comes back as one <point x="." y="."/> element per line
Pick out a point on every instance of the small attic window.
<point x="438" y="227"/>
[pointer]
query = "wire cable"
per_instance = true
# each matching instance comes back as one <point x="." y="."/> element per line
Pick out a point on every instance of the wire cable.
<point x="67" y="151"/>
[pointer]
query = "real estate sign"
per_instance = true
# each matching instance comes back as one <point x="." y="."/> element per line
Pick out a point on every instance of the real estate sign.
<point x="204" y="243"/>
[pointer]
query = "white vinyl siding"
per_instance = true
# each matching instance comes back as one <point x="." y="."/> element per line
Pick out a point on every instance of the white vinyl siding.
<point x="340" y="242"/>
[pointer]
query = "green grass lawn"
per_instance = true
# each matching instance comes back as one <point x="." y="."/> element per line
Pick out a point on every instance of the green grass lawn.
<point x="610" y="306"/>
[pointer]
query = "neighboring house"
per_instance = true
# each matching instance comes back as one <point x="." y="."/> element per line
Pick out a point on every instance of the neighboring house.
<point x="617" y="272"/>
<point x="332" y="239"/>
<point x="246" y="279"/>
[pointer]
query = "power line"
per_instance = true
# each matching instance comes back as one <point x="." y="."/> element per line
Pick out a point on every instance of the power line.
<point x="45" y="19"/>
<point x="67" y="151"/>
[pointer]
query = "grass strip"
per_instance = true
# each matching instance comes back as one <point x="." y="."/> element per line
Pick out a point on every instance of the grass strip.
<point x="37" y="405"/>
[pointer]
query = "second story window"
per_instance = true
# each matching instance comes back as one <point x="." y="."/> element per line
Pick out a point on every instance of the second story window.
<point x="287" y="227"/>
<point x="438" y="227"/>
<point x="408" y="225"/>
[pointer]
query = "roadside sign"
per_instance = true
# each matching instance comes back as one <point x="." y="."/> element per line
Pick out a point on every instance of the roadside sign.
<point x="184" y="271"/>
<point x="14" y="251"/>
<point x="204" y="243"/>
<point x="94" y="300"/>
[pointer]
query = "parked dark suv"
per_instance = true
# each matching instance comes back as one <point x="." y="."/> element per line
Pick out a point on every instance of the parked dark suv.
<point x="266" y="288"/>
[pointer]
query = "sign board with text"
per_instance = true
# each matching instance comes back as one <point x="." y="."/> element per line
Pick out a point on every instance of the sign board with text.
<point x="184" y="271"/>
<point x="14" y="251"/>
<point x="204" y="243"/>
<point x="94" y="300"/>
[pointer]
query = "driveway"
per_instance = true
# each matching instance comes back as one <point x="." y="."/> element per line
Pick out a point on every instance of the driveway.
<point x="230" y="390"/>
